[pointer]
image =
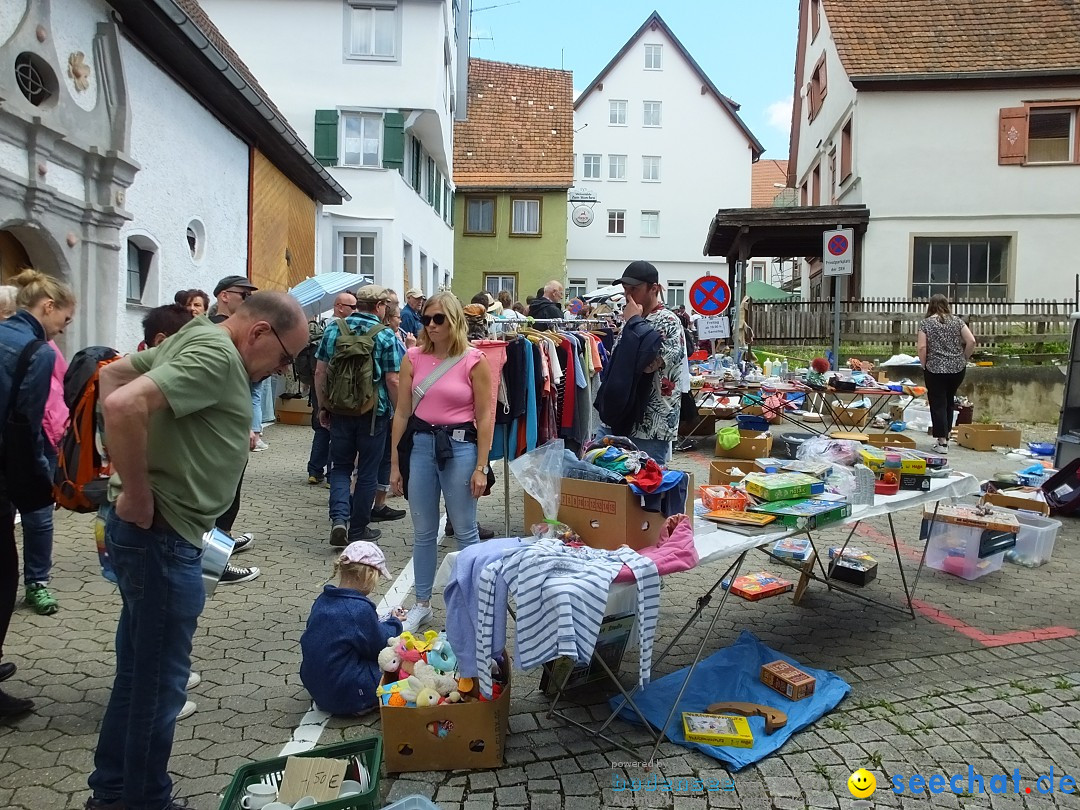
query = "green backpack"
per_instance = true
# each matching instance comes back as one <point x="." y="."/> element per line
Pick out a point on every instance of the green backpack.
<point x="350" y="374"/>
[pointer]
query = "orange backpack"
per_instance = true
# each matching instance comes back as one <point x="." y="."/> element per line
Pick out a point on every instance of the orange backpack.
<point x="81" y="482"/>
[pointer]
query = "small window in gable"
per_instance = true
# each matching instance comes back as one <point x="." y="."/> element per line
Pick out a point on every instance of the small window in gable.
<point x="816" y="89"/>
<point x="815" y="18"/>
<point x="372" y="29"/>
<point x="845" y="152"/>
<point x="654" y="56"/>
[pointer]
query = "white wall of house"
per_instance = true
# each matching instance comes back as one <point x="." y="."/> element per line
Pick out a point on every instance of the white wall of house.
<point x="170" y="193"/>
<point x="301" y="53"/>
<point x="926" y="165"/>
<point x="705" y="163"/>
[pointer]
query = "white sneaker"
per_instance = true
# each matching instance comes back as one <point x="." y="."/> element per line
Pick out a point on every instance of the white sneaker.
<point x="260" y="445"/>
<point x="418" y="615"/>
<point x="187" y="711"/>
<point x="193" y="680"/>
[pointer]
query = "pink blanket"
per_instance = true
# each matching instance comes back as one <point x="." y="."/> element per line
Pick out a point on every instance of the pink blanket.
<point x="674" y="551"/>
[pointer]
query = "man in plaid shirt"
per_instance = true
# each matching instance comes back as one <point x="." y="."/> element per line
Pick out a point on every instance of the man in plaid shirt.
<point x="352" y="436"/>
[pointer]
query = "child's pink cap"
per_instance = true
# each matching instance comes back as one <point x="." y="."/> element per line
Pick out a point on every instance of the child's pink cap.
<point x="367" y="553"/>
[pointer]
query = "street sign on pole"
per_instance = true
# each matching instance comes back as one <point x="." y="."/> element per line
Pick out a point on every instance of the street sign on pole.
<point x="838" y="252"/>
<point x="710" y="295"/>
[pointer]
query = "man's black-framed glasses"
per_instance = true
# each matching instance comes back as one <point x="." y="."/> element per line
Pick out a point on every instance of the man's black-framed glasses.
<point x="286" y="358"/>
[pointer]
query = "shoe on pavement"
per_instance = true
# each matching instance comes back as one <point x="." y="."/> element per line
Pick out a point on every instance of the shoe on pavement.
<point x="101" y="804"/>
<point x="449" y="530"/>
<point x="315" y="480"/>
<point x="260" y="445"/>
<point x="243" y="542"/>
<point x="418" y="615"/>
<point x="385" y="512"/>
<point x="11" y="706"/>
<point x="941" y="448"/>
<point x="41" y="599"/>
<point x="193" y="680"/>
<point x="234" y="574"/>
<point x="484" y="533"/>
<point x="187" y="710"/>
<point x="339" y="535"/>
<point x="7" y="670"/>
<point x="371" y="534"/>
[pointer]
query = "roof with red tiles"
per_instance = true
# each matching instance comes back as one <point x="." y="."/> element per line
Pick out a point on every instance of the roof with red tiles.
<point x="953" y="38"/>
<point x="763" y="176"/>
<point x="519" y="131"/>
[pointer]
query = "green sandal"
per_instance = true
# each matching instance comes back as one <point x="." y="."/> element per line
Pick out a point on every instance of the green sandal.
<point x="41" y="599"/>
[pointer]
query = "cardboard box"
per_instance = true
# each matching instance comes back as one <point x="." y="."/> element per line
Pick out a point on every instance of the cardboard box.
<point x="874" y="458"/>
<point x="717" y="729"/>
<point x="477" y="739"/>
<point x="1008" y="501"/>
<point x="720" y="471"/>
<point x="965" y="516"/>
<point x="294" y="411"/>
<point x="852" y="417"/>
<point x="855" y="566"/>
<point x="605" y="515"/>
<point x="789" y="681"/>
<point x="805" y="514"/>
<point x="984" y="437"/>
<point x="891" y="439"/>
<point x="753" y="444"/>
<point x="783" y="486"/>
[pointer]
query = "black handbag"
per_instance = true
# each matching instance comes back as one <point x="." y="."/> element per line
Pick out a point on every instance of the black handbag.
<point x="27" y="488"/>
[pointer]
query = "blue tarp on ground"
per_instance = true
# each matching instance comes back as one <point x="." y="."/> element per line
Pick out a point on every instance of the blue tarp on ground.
<point x="733" y="674"/>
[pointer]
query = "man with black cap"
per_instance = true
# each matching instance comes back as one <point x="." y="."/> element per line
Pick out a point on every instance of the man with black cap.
<point x="229" y="294"/>
<point x="659" y="426"/>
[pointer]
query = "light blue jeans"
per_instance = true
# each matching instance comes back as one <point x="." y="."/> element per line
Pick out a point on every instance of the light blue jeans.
<point x="256" y="407"/>
<point x="426" y="481"/>
<point x="658" y="450"/>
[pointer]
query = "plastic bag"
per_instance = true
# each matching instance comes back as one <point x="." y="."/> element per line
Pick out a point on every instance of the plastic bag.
<point x="917" y="415"/>
<point x="540" y="475"/>
<point x="832" y="451"/>
<point x="728" y="437"/>
<point x="842" y="480"/>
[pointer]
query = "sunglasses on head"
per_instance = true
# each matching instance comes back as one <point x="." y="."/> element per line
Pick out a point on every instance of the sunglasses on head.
<point x="438" y="319"/>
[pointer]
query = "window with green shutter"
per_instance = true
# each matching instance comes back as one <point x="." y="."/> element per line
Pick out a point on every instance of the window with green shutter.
<point x="431" y="181"/>
<point x="451" y="206"/>
<point x="417" y="164"/>
<point x="394" y="142"/>
<point x="326" y="137"/>
<point x="438" y="193"/>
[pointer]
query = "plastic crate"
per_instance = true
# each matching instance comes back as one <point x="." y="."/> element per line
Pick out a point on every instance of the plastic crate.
<point x="967" y="552"/>
<point x="412" y="803"/>
<point x="271" y="772"/>
<point x="1034" y="541"/>
<point x="748" y="421"/>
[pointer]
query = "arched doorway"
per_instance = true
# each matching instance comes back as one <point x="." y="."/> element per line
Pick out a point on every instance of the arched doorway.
<point x="23" y="245"/>
<point x="13" y="256"/>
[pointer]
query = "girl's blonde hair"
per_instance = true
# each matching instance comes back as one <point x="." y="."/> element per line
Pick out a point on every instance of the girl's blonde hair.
<point x="364" y="577"/>
<point x="455" y="317"/>
<point x="35" y="287"/>
<point x="8" y="294"/>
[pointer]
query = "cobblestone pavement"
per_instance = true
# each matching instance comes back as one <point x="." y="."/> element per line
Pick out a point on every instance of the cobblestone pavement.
<point x="977" y="680"/>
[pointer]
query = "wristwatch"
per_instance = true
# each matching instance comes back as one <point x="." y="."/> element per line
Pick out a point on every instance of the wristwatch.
<point x="485" y="469"/>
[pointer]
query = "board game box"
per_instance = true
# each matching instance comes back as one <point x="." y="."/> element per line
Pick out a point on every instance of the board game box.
<point x="782" y="486"/>
<point x="717" y="729"/>
<point x="793" y="548"/>
<point x="805" y="514"/>
<point x="753" y="587"/>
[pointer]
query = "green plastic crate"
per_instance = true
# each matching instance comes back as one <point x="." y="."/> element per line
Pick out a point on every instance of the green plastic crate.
<point x="271" y="771"/>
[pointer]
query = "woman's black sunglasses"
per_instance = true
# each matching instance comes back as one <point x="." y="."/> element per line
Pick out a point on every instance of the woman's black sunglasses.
<point x="438" y="319"/>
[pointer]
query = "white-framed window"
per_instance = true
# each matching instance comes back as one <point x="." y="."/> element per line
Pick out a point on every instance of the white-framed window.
<point x="358" y="253"/>
<point x="140" y="262"/>
<point x="654" y="57"/>
<point x="650" y="168"/>
<point x="617" y="112"/>
<point x="676" y="294"/>
<point x="372" y="32"/>
<point x="616" y="167"/>
<point x="525" y="217"/>
<point x="576" y="288"/>
<point x="590" y="167"/>
<point x="1051" y="135"/>
<point x="650" y="223"/>
<point x="361" y="139"/>
<point x="757" y="271"/>
<point x="616" y="223"/>
<point x="495" y="284"/>
<point x="650" y="113"/>
<point x="960" y="267"/>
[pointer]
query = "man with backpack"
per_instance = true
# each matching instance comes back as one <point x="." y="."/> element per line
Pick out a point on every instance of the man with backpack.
<point x="318" y="465"/>
<point x="356" y="378"/>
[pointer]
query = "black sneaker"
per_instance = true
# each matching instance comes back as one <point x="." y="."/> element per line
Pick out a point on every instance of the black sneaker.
<point x="449" y="532"/>
<point x="485" y="534"/>
<point x="385" y="512"/>
<point x="11" y="706"/>
<point x="370" y="534"/>
<point x="243" y="542"/>
<point x="339" y="535"/>
<point x="234" y="574"/>
<point x="7" y="670"/>
<point x="101" y="804"/>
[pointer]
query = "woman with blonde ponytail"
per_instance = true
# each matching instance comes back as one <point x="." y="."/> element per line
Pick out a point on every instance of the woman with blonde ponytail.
<point x="45" y="306"/>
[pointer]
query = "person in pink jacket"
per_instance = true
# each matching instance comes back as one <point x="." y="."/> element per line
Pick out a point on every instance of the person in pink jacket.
<point x="37" y="526"/>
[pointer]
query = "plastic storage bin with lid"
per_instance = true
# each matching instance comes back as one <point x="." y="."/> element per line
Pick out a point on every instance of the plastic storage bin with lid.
<point x="1034" y="541"/>
<point x="968" y="552"/>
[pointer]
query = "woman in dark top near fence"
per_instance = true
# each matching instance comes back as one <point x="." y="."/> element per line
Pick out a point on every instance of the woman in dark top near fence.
<point x="945" y="344"/>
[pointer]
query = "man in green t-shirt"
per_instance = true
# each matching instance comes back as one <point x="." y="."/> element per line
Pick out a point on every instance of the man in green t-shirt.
<point x="177" y="417"/>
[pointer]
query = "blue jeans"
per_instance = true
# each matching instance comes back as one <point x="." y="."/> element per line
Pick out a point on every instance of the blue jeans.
<point x="256" y="407"/>
<point x="37" y="532"/>
<point x="426" y="481"/>
<point x="658" y="450"/>
<point x="350" y="437"/>
<point x="160" y="578"/>
<point x="319" y="461"/>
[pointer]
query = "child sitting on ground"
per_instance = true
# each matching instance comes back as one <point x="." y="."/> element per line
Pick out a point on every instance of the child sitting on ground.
<point x="344" y="635"/>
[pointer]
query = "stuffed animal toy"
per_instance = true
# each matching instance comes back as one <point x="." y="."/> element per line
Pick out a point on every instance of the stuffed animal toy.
<point x="389" y="660"/>
<point x="427" y="697"/>
<point x="409" y="659"/>
<point x="431" y="677"/>
<point x="391" y="695"/>
<point x="441" y="656"/>
<point x="421" y="644"/>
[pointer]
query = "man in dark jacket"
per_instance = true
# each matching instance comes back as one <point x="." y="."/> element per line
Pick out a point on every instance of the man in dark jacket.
<point x="547" y="306"/>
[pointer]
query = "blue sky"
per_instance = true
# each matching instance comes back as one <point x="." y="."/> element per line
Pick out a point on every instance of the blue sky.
<point x="746" y="48"/>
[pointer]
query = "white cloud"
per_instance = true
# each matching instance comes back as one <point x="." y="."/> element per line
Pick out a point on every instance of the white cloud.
<point x="779" y="115"/>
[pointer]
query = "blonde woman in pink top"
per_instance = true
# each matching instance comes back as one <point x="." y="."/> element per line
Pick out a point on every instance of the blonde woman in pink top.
<point x="443" y="447"/>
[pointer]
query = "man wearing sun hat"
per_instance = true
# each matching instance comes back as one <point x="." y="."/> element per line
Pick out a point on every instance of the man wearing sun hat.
<point x="410" y="313"/>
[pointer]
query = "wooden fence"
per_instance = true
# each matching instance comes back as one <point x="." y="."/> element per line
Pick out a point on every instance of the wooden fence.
<point x="891" y="324"/>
